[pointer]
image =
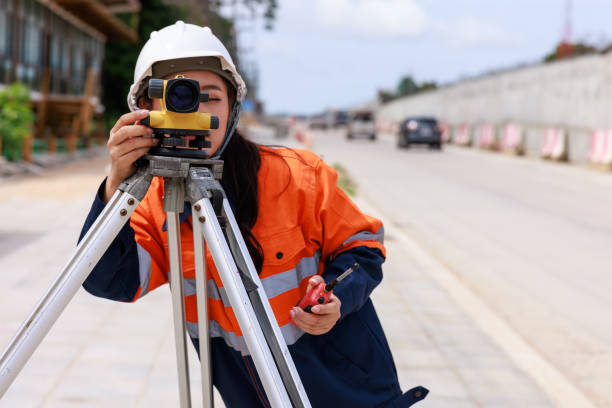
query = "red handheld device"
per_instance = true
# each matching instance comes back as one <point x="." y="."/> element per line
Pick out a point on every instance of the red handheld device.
<point x="321" y="293"/>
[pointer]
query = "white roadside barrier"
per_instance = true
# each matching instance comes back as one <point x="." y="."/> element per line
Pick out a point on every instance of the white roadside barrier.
<point x="462" y="136"/>
<point x="387" y="127"/>
<point x="513" y="139"/>
<point x="395" y="128"/>
<point x="600" y="153"/>
<point x="486" y="137"/>
<point x="554" y="145"/>
<point x="445" y="132"/>
<point x="300" y="132"/>
<point x="380" y="126"/>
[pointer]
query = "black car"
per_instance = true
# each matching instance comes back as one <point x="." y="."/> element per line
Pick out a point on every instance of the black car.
<point x="340" y="119"/>
<point x="421" y="130"/>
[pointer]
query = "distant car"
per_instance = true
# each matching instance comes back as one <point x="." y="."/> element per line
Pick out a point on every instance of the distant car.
<point x="279" y="124"/>
<point x="420" y="130"/>
<point x="321" y="121"/>
<point x="361" y="124"/>
<point x="340" y="119"/>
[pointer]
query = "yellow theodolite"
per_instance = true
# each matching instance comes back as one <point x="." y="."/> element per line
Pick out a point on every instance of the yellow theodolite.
<point x="179" y="116"/>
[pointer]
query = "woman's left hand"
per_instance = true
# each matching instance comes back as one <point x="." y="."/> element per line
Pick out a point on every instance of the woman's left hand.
<point x="322" y="318"/>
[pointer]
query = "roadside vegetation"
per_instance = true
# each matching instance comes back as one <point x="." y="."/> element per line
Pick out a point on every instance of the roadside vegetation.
<point x="344" y="180"/>
<point x="16" y="119"/>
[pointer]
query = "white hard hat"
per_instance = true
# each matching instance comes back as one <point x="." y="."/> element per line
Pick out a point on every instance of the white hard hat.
<point x="185" y="42"/>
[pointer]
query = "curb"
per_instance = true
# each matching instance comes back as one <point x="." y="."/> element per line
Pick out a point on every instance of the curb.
<point x="41" y="162"/>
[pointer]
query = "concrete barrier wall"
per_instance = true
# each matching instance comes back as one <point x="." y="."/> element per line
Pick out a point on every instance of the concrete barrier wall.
<point x="573" y="94"/>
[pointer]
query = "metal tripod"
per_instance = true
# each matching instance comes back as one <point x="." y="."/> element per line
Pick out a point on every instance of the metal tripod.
<point x="214" y="225"/>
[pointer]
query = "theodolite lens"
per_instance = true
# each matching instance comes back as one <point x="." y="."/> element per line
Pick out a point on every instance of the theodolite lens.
<point x="182" y="95"/>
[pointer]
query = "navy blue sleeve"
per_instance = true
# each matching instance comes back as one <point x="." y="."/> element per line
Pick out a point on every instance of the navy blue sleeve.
<point x="356" y="288"/>
<point x="116" y="275"/>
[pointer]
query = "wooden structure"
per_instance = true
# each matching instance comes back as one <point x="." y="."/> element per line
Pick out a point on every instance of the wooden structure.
<point x="66" y="115"/>
<point x="56" y="48"/>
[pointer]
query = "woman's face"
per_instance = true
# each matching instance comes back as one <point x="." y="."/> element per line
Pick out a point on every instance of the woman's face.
<point x="217" y="105"/>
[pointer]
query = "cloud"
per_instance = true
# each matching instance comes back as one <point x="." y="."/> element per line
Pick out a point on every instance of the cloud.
<point x="469" y="31"/>
<point x="372" y="18"/>
<point x="405" y="19"/>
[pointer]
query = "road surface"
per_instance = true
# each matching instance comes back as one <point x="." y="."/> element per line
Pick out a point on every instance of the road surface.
<point x="530" y="239"/>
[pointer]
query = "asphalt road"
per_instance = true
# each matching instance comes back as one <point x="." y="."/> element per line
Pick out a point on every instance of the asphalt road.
<point x="531" y="239"/>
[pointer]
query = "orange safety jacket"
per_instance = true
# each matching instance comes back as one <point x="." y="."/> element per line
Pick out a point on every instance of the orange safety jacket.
<point x="304" y="221"/>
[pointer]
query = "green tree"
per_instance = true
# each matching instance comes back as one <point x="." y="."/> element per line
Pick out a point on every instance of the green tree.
<point x="270" y="13"/>
<point x="120" y="57"/>
<point x="385" y="96"/>
<point x="427" y="86"/>
<point x="16" y="119"/>
<point x="569" y="50"/>
<point x="407" y="86"/>
<point x="266" y="7"/>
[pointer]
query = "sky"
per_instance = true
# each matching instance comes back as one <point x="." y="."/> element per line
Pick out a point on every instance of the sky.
<point x="338" y="53"/>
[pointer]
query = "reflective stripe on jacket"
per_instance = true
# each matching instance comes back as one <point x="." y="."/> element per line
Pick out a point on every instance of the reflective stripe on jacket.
<point x="304" y="221"/>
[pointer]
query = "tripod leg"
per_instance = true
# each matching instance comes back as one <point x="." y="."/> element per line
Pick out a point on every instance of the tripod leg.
<point x="173" y="204"/>
<point x="241" y="305"/>
<point x="262" y="308"/>
<point x="87" y="254"/>
<point x="199" y="252"/>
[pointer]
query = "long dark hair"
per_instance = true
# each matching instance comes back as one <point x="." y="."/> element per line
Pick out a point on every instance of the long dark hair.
<point x="240" y="167"/>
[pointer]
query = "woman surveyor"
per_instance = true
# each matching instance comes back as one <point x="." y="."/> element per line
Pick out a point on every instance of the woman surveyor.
<point x="299" y="226"/>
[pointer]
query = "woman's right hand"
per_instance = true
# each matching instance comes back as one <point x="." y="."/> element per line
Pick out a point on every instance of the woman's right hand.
<point x="128" y="142"/>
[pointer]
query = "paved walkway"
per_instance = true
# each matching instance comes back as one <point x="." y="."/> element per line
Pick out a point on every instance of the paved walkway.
<point x="103" y="353"/>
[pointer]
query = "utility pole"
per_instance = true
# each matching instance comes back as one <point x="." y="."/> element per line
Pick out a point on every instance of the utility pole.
<point x="567" y="29"/>
<point x="566" y="46"/>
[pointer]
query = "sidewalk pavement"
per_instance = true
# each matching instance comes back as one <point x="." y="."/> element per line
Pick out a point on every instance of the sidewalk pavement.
<point x="103" y="353"/>
<point x="99" y="353"/>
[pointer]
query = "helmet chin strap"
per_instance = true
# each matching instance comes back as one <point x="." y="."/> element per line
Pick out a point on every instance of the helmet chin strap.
<point x="231" y="128"/>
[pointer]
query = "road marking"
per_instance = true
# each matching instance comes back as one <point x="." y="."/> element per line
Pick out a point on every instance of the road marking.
<point x="561" y="391"/>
